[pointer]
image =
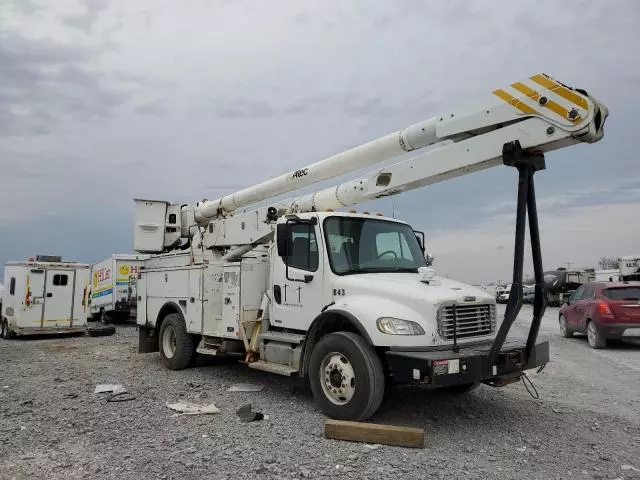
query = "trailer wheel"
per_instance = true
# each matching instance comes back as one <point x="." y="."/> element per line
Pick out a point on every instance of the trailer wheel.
<point x="346" y="377"/>
<point x="3" y="329"/>
<point x="175" y="343"/>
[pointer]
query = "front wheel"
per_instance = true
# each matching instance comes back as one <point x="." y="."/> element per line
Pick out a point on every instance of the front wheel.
<point x="346" y="377"/>
<point x="176" y="344"/>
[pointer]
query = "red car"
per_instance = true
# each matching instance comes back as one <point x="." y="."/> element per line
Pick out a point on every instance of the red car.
<point x="604" y="311"/>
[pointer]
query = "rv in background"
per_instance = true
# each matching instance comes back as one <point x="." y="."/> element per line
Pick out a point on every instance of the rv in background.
<point x="44" y="295"/>
<point x="560" y="283"/>
<point x="629" y="268"/>
<point x="610" y="275"/>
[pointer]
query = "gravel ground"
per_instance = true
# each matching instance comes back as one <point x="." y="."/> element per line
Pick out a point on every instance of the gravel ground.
<point x="586" y="424"/>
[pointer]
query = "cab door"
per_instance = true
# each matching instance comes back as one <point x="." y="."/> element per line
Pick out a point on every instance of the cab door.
<point x="297" y="286"/>
<point x="58" y="306"/>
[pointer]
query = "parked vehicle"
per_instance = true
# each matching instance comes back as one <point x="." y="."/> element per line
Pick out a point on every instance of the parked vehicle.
<point x="44" y="295"/>
<point x="113" y="287"/>
<point x="502" y="294"/>
<point x="609" y="275"/>
<point x="346" y="301"/>
<point x="561" y="281"/>
<point x="602" y="310"/>
<point x="528" y="293"/>
<point x="629" y="268"/>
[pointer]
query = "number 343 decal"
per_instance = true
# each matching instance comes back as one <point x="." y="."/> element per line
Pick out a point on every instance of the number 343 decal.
<point x="338" y="291"/>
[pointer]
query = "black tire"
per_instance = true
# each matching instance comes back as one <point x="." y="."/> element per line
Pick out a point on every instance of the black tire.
<point x="462" y="388"/>
<point x="101" y="331"/>
<point x="3" y="329"/>
<point x="368" y="382"/>
<point x="594" y="337"/>
<point x="184" y="346"/>
<point x="564" y="328"/>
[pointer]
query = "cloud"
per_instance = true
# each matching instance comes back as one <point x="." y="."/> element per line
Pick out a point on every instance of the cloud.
<point x="46" y="84"/>
<point x="577" y="234"/>
<point x="102" y="101"/>
<point x="91" y="12"/>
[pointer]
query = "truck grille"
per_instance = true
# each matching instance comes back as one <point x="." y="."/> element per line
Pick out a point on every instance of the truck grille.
<point x="471" y="320"/>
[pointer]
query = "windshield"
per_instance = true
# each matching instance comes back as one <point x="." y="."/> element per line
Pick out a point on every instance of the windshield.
<point x="622" y="293"/>
<point x="362" y="245"/>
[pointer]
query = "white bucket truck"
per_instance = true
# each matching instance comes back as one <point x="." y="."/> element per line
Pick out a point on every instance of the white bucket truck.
<point x="347" y="301"/>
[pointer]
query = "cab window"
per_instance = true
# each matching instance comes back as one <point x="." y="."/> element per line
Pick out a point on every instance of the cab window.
<point x="303" y="248"/>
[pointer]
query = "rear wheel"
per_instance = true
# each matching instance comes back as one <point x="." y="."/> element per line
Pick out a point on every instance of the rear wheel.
<point x="3" y="329"/>
<point x="564" y="328"/>
<point x="176" y="344"/>
<point x="595" y="339"/>
<point x="346" y="377"/>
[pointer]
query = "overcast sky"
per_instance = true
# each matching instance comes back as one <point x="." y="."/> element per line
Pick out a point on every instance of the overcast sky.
<point x="103" y="101"/>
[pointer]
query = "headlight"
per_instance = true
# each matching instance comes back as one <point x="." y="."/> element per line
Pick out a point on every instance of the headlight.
<point x="396" y="326"/>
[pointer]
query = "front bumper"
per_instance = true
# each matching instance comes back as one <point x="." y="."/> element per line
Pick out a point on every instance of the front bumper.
<point x="443" y="368"/>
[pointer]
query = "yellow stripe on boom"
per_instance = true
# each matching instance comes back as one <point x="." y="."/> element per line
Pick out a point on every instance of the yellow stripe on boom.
<point x="523" y="107"/>
<point x="561" y="90"/>
<point x="550" y="104"/>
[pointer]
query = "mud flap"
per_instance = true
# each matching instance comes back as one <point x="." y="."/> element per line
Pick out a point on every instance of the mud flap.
<point x="147" y="340"/>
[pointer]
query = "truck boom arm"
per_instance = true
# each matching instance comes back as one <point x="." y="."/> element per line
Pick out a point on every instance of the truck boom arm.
<point x="540" y="112"/>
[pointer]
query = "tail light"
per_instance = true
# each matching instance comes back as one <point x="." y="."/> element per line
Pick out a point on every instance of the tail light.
<point x="604" y="309"/>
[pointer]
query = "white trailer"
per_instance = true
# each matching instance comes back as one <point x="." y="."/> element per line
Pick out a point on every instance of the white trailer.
<point x="113" y="287"/>
<point x="44" y="296"/>
<point x="608" y="275"/>
<point x="629" y="268"/>
<point x="346" y="301"/>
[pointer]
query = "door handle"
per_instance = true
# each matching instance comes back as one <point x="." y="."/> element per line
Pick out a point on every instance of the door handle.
<point x="49" y="295"/>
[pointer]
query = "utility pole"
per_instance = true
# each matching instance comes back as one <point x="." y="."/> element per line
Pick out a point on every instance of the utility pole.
<point x="568" y="264"/>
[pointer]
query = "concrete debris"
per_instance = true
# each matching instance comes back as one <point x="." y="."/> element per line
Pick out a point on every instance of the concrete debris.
<point x="246" y="387"/>
<point x="246" y="415"/>
<point x="187" y="408"/>
<point x="109" y="388"/>
<point x="369" y="446"/>
<point x="629" y="468"/>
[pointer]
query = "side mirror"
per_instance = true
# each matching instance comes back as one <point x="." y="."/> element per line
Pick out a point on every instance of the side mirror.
<point x="283" y="234"/>
<point x="429" y="258"/>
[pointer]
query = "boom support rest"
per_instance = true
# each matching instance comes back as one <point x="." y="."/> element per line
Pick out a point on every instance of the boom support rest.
<point x="527" y="164"/>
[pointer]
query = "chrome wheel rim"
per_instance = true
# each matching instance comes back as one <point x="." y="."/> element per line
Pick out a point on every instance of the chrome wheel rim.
<point x="169" y="344"/>
<point x="337" y="377"/>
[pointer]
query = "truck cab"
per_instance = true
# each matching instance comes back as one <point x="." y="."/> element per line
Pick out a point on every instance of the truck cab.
<point x="373" y="270"/>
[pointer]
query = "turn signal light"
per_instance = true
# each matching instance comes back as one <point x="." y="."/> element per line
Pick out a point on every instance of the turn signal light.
<point x="604" y="308"/>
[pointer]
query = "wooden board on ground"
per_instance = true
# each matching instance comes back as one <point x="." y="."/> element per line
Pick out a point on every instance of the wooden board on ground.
<point x="374" y="433"/>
